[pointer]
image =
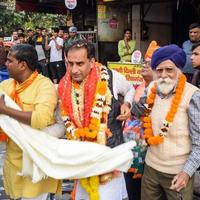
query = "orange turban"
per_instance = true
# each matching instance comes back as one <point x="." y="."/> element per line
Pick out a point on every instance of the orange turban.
<point x="152" y="47"/>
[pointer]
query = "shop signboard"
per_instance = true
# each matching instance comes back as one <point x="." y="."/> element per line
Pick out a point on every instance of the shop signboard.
<point x="111" y="22"/>
<point x="132" y="72"/>
<point x="101" y="12"/>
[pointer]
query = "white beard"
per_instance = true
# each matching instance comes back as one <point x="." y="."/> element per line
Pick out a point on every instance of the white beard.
<point x="165" y="86"/>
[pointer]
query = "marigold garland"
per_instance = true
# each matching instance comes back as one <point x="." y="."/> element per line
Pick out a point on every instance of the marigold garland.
<point x="99" y="114"/>
<point x="147" y="123"/>
<point x="97" y="130"/>
<point x="91" y="185"/>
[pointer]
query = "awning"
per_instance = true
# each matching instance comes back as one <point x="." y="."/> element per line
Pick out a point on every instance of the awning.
<point x="45" y="6"/>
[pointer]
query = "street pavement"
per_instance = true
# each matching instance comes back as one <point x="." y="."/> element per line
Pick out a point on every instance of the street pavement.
<point x="2" y="192"/>
<point x="67" y="186"/>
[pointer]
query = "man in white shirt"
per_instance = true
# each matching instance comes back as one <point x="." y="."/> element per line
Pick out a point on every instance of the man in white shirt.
<point x="56" y="66"/>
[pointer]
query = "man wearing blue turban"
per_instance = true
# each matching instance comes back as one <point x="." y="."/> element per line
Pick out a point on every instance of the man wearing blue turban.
<point x="171" y="130"/>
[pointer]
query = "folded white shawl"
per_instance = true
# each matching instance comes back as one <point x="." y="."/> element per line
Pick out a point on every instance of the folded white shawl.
<point x="44" y="155"/>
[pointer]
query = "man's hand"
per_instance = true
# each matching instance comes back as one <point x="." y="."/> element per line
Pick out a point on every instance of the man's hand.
<point x="180" y="181"/>
<point x="22" y="116"/>
<point x="126" y="44"/>
<point x="2" y="105"/>
<point x="125" y="112"/>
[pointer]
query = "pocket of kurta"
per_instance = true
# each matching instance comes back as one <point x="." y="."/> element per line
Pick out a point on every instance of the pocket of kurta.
<point x="27" y="106"/>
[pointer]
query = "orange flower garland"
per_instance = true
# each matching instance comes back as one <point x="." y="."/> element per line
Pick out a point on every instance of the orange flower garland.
<point x="90" y="132"/>
<point x="99" y="113"/>
<point x="97" y="130"/>
<point x="147" y="123"/>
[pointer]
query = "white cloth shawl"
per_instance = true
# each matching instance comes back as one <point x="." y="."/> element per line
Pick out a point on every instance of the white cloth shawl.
<point x="44" y="155"/>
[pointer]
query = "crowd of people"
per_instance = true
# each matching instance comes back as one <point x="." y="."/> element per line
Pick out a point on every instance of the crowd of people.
<point x="164" y="109"/>
<point x="49" y="46"/>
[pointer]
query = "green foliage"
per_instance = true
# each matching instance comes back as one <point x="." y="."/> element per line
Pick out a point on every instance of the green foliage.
<point x="11" y="20"/>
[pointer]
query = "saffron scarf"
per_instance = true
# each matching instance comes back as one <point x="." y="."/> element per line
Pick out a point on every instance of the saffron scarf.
<point x="17" y="89"/>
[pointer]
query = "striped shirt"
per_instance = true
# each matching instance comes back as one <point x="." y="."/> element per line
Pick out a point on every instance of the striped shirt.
<point x="193" y="161"/>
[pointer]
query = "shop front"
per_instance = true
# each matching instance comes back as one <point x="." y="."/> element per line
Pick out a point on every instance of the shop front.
<point x="160" y="20"/>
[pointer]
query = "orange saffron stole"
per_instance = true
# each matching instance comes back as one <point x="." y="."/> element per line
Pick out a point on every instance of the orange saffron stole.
<point x="17" y="89"/>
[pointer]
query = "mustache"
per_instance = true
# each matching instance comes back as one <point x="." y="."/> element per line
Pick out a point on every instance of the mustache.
<point x="166" y="85"/>
<point x="165" y="81"/>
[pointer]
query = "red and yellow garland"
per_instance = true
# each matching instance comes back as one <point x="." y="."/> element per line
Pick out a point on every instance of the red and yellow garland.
<point x="152" y="139"/>
<point x="98" y="116"/>
<point x="90" y="112"/>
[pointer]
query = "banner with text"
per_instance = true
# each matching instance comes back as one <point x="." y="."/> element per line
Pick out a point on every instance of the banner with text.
<point x="132" y="72"/>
